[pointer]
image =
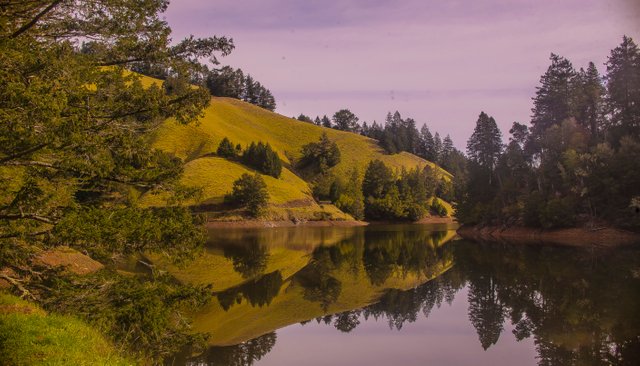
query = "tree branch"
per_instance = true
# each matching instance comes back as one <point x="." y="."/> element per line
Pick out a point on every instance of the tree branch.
<point x="34" y="217"/>
<point x="33" y="21"/>
<point x="16" y="282"/>
<point x="22" y="153"/>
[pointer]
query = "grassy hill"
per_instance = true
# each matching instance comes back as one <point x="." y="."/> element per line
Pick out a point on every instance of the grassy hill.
<point x="244" y="123"/>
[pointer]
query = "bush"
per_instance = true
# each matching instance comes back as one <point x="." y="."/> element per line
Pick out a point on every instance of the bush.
<point x="250" y="191"/>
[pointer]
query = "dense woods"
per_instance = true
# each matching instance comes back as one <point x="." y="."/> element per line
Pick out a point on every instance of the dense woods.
<point x="577" y="162"/>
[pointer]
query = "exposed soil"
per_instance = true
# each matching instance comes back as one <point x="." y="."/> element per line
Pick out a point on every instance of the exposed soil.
<point x="71" y="259"/>
<point x="578" y="237"/>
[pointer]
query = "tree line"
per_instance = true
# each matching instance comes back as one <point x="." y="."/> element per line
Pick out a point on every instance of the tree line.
<point x="577" y="162"/>
<point x="227" y="82"/>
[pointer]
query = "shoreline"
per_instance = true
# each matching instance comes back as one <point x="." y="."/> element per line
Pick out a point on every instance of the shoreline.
<point x="607" y="237"/>
<point x="256" y="224"/>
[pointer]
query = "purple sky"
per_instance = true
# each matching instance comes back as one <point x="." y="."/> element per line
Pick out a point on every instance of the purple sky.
<point x="439" y="62"/>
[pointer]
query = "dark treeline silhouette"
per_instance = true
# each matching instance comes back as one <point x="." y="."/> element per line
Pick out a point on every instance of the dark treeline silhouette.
<point x="578" y="161"/>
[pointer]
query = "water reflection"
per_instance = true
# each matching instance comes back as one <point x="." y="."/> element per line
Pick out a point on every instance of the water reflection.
<point x="579" y="307"/>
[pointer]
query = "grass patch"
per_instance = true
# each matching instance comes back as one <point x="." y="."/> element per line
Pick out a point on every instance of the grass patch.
<point x="30" y="336"/>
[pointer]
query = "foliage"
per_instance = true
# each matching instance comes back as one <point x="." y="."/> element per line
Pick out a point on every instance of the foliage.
<point x="104" y="233"/>
<point x="227" y="82"/>
<point x="250" y="191"/>
<point x="145" y="315"/>
<point x="437" y="208"/>
<point x="226" y="149"/>
<point x="345" y="120"/>
<point x="350" y="199"/>
<point x="390" y="197"/>
<point x="577" y="163"/>
<point x="320" y="155"/>
<point x="262" y="157"/>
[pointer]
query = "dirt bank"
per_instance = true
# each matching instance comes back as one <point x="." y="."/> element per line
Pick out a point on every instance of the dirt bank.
<point x="578" y="237"/>
<point x="249" y="224"/>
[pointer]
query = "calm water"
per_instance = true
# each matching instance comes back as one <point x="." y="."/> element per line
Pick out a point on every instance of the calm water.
<point x="411" y="295"/>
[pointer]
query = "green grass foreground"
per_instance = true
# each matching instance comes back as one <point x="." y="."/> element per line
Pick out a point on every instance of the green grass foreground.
<point x="30" y="336"/>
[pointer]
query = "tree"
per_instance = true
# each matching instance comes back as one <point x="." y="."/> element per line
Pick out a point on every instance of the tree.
<point x="326" y="122"/>
<point x="623" y="89"/>
<point x="226" y="149"/>
<point x="437" y="148"/>
<point x="317" y="121"/>
<point x="75" y="153"/>
<point x="485" y="144"/>
<point x="345" y="120"/>
<point x="552" y="103"/>
<point x="74" y="135"/>
<point x="427" y="144"/>
<point x="263" y="158"/>
<point x="378" y="180"/>
<point x="588" y="99"/>
<point x="447" y="150"/>
<point x="321" y="155"/>
<point x="304" y="118"/>
<point x="351" y="199"/>
<point x="250" y="191"/>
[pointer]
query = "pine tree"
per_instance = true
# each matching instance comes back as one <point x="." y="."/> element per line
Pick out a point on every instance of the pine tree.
<point x="250" y="94"/>
<point x="75" y="125"/>
<point x="623" y="89"/>
<point x="552" y="103"/>
<point x="485" y="144"/>
<point x="226" y="149"/>
<point x="317" y="121"/>
<point x="428" y="145"/>
<point x="587" y="102"/>
<point x="326" y="122"/>
<point x="437" y="148"/>
<point x="447" y="149"/>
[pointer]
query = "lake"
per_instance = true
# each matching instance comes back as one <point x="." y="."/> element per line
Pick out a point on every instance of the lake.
<point x="410" y="295"/>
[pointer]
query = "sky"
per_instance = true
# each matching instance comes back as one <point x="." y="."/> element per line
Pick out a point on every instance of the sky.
<point x="438" y="62"/>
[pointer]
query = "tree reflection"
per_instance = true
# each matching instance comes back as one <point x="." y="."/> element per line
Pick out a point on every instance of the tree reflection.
<point x="243" y="354"/>
<point x="249" y="259"/>
<point x="316" y="279"/>
<point x="258" y="292"/>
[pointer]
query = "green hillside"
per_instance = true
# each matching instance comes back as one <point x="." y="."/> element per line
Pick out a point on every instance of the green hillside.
<point x="244" y="123"/>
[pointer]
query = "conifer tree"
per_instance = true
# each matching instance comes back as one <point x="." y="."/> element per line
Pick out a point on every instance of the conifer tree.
<point x="326" y="122"/>
<point x="623" y="89"/>
<point x="485" y="144"/>
<point x="552" y="103"/>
